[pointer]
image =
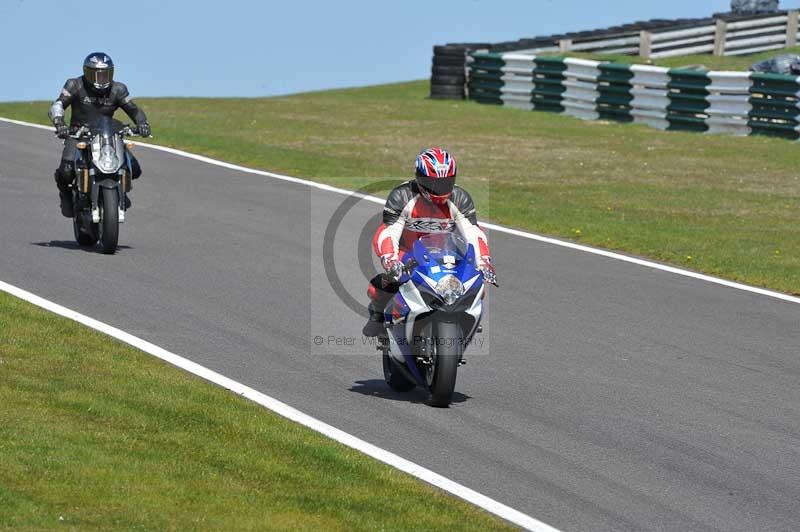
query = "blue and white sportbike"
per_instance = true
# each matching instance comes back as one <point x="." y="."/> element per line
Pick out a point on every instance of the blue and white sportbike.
<point x="433" y="318"/>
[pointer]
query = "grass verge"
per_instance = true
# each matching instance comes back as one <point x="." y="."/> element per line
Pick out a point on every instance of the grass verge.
<point x="721" y="205"/>
<point x="95" y="435"/>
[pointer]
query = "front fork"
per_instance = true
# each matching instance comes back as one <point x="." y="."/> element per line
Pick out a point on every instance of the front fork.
<point x="423" y="355"/>
<point x="95" y="199"/>
<point x="95" y="196"/>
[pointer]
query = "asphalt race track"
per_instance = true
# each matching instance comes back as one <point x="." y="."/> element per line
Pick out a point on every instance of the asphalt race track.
<point x="606" y="395"/>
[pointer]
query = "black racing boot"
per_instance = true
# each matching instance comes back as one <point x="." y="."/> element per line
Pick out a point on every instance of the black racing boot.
<point x="374" y="326"/>
<point x="67" y="208"/>
<point x="383" y="292"/>
<point x="63" y="179"/>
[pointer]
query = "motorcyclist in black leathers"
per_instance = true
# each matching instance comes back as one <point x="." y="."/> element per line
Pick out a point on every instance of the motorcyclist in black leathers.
<point x="92" y="95"/>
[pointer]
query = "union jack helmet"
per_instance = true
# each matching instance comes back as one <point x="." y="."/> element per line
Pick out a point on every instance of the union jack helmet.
<point x="436" y="174"/>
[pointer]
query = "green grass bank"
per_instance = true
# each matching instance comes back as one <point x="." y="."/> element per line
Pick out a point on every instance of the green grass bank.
<point x="95" y="435"/>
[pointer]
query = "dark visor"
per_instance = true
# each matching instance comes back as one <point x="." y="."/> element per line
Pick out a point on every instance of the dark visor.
<point x="101" y="77"/>
<point x="438" y="186"/>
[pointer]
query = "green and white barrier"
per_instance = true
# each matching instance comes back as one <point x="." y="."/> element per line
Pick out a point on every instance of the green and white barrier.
<point x="518" y="81"/>
<point x="548" y="84"/>
<point x="650" y="95"/>
<point x="688" y="100"/>
<point x="775" y="101"/>
<point x="615" y="92"/>
<point x="729" y="99"/>
<point x="736" y="103"/>
<point x="581" y="94"/>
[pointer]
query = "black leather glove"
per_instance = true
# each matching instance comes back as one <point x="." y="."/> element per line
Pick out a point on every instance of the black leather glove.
<point x="144" y="129"/>
<point x="62" y="131"/>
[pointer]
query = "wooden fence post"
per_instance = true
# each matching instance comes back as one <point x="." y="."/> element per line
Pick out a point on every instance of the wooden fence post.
<point x="565" y="45"/>
<point x="791" y="28"/>
<point x="645" y="44"/>
<point x="720" y="34"/>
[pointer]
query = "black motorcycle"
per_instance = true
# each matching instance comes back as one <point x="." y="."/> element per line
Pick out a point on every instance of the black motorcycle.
<point x="102" y="180"/>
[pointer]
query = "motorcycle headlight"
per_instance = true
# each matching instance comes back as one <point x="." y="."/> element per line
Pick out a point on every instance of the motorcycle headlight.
<point x="449" y="288"/>
<point x="108" y="160"/>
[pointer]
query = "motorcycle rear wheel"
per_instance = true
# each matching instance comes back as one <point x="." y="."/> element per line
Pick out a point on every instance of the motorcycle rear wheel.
<point x="448" y="350"/>
<point x="83" y="238"/>
<point x="109" y="221"/>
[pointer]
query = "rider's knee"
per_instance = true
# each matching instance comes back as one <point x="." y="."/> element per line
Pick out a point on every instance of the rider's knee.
<point x="380" y="287"/>
<point x="64" y="175"/>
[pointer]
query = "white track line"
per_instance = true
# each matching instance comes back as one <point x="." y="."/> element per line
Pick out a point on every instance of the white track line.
<point x="284" y="410"/>
<point x="493" y="227"/>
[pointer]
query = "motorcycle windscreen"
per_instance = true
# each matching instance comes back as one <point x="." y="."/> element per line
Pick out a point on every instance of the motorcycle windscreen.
<point x="439" y="246"/>
<point x="107" y="147"/>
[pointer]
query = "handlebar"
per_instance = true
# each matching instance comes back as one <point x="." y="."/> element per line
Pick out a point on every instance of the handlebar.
<point x="126" y="131"/>
<point x="400" y="269"/>
<point x="129" y="131"/>
<point x="83" y="130"/>
<point x="133" y="131"/>
<point x="396" y="273"/>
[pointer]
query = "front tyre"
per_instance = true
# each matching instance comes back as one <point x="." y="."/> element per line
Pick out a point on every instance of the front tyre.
<point x="109" y="221"/>
<point x="448" y="348"/>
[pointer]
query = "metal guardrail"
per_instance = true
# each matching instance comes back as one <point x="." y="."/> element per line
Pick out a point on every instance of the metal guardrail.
<point x="719" y="36"/>
<point x="722" y="35"/>
<point x="737" y="103"/>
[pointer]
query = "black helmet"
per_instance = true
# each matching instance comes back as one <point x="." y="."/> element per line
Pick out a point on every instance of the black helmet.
<point x="98" y="71"/>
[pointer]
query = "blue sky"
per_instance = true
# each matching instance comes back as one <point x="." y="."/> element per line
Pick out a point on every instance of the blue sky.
<point x="249" y="48"/>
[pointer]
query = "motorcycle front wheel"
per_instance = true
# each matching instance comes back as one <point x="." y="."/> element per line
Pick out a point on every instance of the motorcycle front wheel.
<point x="109" y="221"/>
<point x="448" y="347"/>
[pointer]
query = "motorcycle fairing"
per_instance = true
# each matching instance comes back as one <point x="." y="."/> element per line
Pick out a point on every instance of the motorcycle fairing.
<point x="417" y="297"/>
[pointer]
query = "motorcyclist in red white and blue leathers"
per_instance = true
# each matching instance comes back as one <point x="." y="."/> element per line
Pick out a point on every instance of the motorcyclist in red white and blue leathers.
<point x="430" y="203"/>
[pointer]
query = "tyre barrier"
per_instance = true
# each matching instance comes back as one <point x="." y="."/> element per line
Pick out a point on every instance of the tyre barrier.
<point x="448" y="73"/>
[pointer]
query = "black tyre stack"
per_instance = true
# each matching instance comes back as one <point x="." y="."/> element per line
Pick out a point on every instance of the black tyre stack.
<point x="448" y="76"/>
